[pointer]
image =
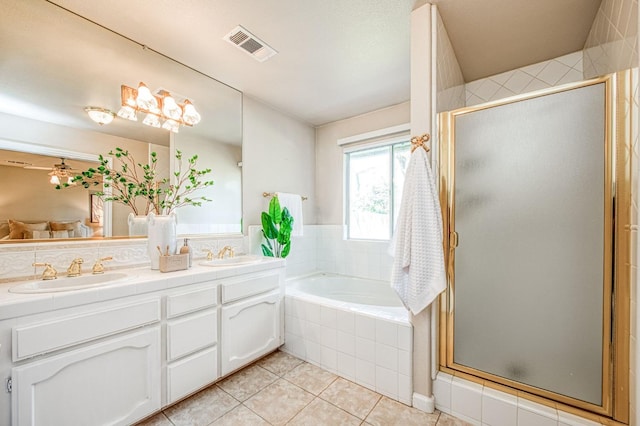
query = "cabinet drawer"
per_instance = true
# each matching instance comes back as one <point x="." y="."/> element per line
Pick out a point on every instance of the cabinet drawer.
<point x="36" y="339"/>
<point x="183" y="303"/>
<point x="192" y="373"/>
<point x="191" y="333"/>
<point x="240" y="288"/>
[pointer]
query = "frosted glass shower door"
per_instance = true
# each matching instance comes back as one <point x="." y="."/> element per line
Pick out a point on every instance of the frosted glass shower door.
<point x="531" y="212"/>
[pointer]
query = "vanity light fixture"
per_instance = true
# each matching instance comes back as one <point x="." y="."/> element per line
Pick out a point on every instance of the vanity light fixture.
<point x="100" y="115"/>
<point x="161" y="109"/>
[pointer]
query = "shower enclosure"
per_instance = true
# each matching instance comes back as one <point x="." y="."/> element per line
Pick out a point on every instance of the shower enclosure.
<point x="535" y="192"/>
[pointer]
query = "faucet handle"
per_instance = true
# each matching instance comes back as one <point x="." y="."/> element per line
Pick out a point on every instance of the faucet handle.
<point x="75" y="269"/>
<point x="49" y="273"/>
<point x="209" y="254"/>
<point x="98" y="267"/>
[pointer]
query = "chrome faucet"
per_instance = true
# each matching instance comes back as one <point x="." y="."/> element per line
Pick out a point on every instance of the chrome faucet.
<point x="49" y="273"/>
<point x="224" y="250"/>
<point x="75" y="269"/>
<point x="98" y="267"/>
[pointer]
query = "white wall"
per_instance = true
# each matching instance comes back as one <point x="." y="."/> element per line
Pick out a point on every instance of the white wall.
<point x="19" y="202"/>
<point x="329" y="161"/>
<point x="224" y="213"/>
<point x="278" y="156"/>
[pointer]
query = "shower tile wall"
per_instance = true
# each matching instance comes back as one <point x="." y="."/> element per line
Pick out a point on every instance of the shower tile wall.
<point x="449" y="80"/>
<point x="612" y="42"/>
<point x="565" y="69"/>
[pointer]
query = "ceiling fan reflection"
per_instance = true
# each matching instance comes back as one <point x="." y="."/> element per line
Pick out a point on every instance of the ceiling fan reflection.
<point x="58" y="172"/>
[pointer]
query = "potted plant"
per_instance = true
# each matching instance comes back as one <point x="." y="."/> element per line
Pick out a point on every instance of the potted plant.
<point x="137" y="186"/>
<point x="131" y="181"/>
<point x="276" y="230"/>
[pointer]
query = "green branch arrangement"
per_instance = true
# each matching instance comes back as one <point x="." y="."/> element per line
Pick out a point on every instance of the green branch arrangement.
<point x="276" y="229"/>
<point x="131" y="181"/>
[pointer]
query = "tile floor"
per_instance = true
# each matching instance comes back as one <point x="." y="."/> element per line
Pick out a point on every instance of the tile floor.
<point x="283" y="390"/>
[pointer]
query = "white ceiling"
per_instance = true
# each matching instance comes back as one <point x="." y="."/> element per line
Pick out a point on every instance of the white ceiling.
<point x="340" y="58"/>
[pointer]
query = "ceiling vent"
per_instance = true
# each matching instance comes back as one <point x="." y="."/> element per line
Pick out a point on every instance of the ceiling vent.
<point x="250" y="44"/>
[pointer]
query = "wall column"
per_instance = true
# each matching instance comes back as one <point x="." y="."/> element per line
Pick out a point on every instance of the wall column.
<point x="421" y="122"/>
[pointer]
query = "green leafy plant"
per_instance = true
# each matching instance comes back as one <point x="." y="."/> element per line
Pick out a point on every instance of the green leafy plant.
<point x="277" y="224"/>
<point x="131" y="181"/>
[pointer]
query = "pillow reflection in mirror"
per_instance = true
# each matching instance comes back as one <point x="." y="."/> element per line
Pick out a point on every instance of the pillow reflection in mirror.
<point x="61" y="234"/>
<point x="17" y="229"/>
<point x="36" y="235"/>
<point x="73" y="228"/>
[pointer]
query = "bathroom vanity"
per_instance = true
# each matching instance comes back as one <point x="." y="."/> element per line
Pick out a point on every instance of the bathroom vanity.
<point x="117" y="353"/>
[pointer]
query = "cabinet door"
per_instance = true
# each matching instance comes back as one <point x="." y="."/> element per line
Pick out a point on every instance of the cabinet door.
<point x="250" y="329"/>
<point x="115" y="382"/>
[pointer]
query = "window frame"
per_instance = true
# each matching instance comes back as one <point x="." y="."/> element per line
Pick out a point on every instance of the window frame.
<point x="390" y="142"/>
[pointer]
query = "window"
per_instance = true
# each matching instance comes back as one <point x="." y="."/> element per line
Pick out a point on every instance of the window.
<point x="374" y="182"/>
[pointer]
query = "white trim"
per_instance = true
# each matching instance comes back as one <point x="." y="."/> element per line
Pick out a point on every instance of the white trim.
<point x="377" y="143"/>
<point x="424" y="403"/>
<point x="30" y="148"/>
<point x="362" y="137"/>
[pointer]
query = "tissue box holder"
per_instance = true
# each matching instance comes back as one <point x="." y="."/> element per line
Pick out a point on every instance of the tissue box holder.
<point x="175" y="262"/>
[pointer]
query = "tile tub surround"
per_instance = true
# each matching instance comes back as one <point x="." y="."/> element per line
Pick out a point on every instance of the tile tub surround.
<point x="281" y="389"/>
<point x="324" y="248"/>
<point x="372" y="352"/>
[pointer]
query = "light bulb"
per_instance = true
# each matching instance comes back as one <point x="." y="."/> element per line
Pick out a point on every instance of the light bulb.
<point x="54" y="179"/>
<point x="145" y="99"/>
<point x="128" y="113"/>
<point x="151" y="120"/>
<point x="100" y="115"/>
<point x="70" y="180"/>
<point x="171" y="125"/>
<point x="190" y="115"/>
<point x="170" y="108"/>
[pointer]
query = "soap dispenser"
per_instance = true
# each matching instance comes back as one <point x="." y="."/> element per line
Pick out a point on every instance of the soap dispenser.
<point x="185" y="249"/>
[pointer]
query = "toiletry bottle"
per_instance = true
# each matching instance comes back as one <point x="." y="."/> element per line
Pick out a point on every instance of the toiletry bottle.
<point x="185" y="249"/>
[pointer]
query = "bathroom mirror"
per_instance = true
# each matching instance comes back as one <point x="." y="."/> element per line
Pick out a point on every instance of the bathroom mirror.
<point x="54" y="63"/>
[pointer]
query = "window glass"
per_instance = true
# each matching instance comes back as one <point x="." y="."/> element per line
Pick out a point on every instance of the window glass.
<point x="375" y="177"/>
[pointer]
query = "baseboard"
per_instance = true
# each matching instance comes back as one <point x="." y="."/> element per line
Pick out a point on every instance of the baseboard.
<point x="424" y="403"/>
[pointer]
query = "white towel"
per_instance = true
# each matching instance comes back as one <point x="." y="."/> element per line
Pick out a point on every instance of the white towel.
<point x="293" y="203"/>
<point x="418" y="273"/>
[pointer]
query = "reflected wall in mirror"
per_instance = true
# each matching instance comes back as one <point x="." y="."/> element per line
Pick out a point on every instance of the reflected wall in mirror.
<point x="55" y="63"/>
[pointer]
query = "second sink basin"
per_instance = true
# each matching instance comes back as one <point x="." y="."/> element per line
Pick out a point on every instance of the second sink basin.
<point x="68" y="283"/>
<point x="232" y="261"/>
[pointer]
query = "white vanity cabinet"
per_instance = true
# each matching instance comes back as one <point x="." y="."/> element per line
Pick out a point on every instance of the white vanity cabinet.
<point x="192" y="337"/>
<point x="121" y="357"/>
<point x="86" y="367"/>
<point x="251" y="317"/>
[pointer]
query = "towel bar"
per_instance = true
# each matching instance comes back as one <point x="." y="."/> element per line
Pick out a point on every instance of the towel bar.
<point x="273" y="194"/>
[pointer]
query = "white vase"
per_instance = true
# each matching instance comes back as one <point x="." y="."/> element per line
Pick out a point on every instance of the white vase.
<point x="137" y="225"/>
<point x="161" y="236"/>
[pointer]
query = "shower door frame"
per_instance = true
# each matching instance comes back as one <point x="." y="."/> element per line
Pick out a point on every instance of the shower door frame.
<point x="616" y="262"/>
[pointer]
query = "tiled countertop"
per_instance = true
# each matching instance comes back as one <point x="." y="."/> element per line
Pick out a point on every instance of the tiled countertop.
<point x="142" y="280"/>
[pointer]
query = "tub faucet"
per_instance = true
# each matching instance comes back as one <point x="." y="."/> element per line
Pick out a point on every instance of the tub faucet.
<point x="49" y="273"/>
<point x="225" y="250"/>
<point x="75" y="269"/>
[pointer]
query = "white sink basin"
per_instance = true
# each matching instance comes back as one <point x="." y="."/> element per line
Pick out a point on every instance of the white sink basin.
<point x="69" y="283"/>
<point x="232" y="261"/>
